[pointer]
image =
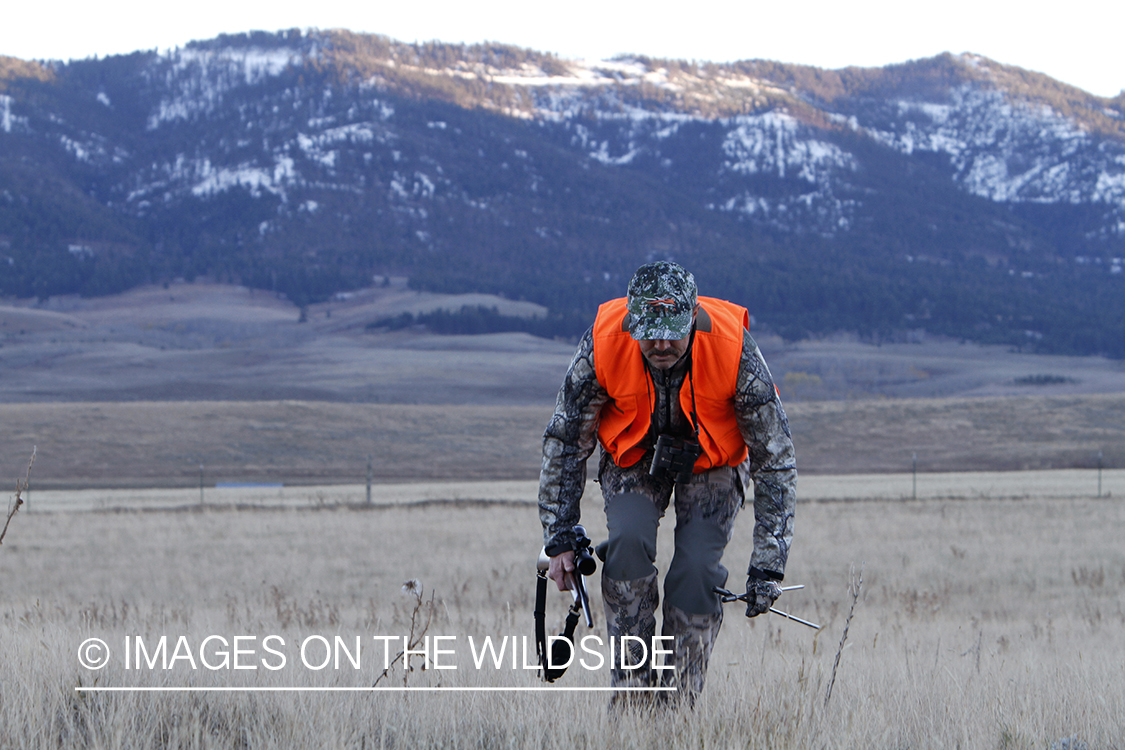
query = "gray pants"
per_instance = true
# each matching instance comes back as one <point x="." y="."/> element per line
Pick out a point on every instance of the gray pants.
<point x="705" y="512"/>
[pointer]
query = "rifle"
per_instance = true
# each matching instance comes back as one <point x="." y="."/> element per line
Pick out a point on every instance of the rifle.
<point x="563" y="647"/>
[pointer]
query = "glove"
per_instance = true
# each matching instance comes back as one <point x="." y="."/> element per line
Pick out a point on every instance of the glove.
<point x="760" y="596"/>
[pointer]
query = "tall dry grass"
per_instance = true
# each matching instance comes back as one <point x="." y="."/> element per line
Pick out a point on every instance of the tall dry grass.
<point x="980" y="624"/>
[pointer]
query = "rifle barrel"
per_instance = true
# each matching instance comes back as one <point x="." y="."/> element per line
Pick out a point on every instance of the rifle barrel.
<point x="583" y="598"/>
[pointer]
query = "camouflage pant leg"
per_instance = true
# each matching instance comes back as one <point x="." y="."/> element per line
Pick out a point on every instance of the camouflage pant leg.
<point x="630" y="609"/>
<point x="705" y="513"/>
<point x="634" y="504"/>
<point x="693" y="637"/>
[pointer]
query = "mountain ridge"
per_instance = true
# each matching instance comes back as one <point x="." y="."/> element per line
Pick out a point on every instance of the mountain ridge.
<point x="952" y="193"/>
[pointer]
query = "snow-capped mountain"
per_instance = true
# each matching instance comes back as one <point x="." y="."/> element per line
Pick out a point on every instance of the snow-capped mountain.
<point x="307" y="162"/>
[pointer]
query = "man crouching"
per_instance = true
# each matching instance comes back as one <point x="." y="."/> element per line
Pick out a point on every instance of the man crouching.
<point x="675" y="390"/>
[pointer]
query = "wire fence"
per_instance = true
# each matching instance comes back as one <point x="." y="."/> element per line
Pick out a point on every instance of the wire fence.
<point x="904" y="486"/>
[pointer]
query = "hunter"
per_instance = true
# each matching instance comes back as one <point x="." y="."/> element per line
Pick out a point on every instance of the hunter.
<point x="677" y="393"/>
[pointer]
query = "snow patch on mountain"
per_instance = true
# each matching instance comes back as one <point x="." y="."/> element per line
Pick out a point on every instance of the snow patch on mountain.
<point x="198" y="78"/>
<point x="776" y="144"/>
<point x="202" y="179"/>
<point x="7" y="119"/>
<point x="418" y="185"/>
<point x="248" y="64"/>
<point x="580" y="74"/>
<point x="80" y="151"/>
<point x="773" y="143"/>
<point x="750" y="147"/>
<point x="1010" y="151"/>
<point x="214" y="180"/>
<point x="630" y="133"/>
<point x="816" y="211"/>
<point x="5" y="113"/>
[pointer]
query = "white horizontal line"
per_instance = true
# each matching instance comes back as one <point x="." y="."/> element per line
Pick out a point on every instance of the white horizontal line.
<point x="222" y="689"/>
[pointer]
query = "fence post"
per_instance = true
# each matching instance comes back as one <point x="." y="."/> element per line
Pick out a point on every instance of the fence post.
<point x="369" y="479"/>
<point x="914" y="474"/>
<point x="1099" y="473"/>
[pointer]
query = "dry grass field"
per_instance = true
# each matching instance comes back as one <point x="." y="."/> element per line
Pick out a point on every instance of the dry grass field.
<point x="990" y="612"/>
<point x="162" y="444"/>
<point x="980" y="623"/>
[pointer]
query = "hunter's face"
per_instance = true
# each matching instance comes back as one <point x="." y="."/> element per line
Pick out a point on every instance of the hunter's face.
<point x="662" y="354"/>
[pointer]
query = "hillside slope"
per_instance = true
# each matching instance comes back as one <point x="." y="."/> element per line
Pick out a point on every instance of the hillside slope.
<point x="953" y="194"/>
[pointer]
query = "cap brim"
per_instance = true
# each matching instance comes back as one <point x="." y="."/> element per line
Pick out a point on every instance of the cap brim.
<point x="668" y="328"/>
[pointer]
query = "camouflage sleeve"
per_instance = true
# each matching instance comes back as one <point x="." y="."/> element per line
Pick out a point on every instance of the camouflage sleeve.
<point x="771" y="463"/>
<point x="569" y="440"/>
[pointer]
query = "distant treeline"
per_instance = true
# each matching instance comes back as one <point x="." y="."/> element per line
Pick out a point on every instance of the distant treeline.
<point x="474" y="320"/>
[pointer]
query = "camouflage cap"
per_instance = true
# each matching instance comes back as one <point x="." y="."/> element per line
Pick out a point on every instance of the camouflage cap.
<point x="661" y="301"/>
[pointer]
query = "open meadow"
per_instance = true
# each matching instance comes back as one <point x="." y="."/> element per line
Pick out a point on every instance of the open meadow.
<point x="144" y="444"/>
<point x="204" y="454"/>
<point x="982" y="622"/>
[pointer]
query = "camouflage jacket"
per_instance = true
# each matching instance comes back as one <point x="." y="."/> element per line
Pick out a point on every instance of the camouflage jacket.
<point x="571" y="436"/>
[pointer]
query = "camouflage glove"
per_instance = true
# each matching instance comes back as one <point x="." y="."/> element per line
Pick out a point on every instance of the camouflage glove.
<point x="760" y="596"/>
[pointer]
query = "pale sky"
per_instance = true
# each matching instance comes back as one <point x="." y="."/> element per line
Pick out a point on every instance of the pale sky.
<point x="1078" y="42"/>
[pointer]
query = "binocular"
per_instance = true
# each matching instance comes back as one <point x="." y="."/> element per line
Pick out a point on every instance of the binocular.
<point x="675" y="456"/>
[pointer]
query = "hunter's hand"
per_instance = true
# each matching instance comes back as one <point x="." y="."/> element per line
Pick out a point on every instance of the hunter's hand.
<point x="561" y="570"/>
<point x="760" y="596"/>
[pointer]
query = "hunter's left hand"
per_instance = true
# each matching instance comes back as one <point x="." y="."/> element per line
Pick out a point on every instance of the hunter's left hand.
<point x="760" y="596"/>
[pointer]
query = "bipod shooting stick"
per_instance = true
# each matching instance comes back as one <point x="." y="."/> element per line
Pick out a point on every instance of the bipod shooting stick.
<point x="729" y="596"/>
<point x="561" y="649"/>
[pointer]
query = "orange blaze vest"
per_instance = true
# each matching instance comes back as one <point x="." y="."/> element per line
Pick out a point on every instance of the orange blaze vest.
<point x="620" y="368"/>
